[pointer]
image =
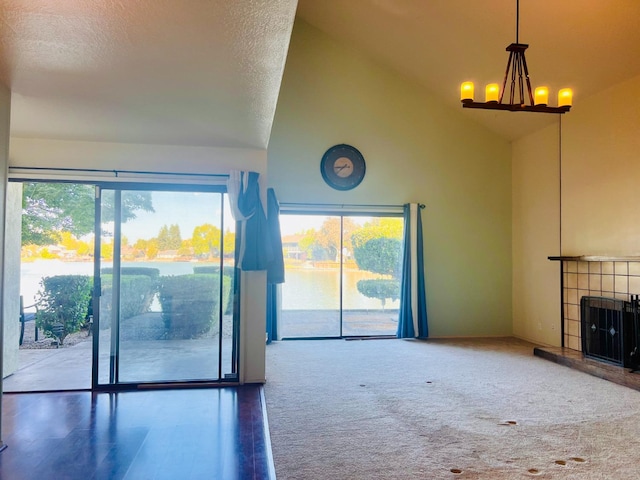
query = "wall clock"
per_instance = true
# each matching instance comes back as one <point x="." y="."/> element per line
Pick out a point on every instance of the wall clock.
<point x="343" y="167"/>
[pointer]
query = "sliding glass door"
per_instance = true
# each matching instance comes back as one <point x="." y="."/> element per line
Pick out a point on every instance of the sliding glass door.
<point x="165" y="279"/>
<point x="342" y="275"/>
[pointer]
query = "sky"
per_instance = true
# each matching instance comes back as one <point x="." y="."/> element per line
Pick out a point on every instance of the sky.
<point x="191" y="209"/>
<point x="185" y="209"/>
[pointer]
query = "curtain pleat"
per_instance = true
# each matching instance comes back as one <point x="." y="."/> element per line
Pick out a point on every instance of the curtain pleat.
<point x="412" y="320"/>
<point x="423" y="325"/>
<point x="405" y="319"/>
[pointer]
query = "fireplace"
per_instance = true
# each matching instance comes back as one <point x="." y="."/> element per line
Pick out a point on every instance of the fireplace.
<point x="609" y="330"/>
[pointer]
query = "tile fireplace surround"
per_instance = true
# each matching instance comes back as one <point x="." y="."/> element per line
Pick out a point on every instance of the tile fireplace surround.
<point x="613" y="277"/>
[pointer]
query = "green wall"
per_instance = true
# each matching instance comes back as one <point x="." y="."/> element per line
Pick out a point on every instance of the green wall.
<point x="417" y="150"/>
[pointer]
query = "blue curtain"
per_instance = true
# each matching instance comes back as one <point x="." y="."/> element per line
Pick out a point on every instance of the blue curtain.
<point x="272" y="312"/>
<point x="255" y="243"/>
<point x="275" y="267"/>
<point x="260" y="243"/>
<point x="412" y="321"/>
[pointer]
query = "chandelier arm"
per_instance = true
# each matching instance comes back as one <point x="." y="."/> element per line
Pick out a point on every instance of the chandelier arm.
<point x="520" y="79"/>
<point x="513" y="79"/>
<point x="506" y="74"/>
<point x="526" y="72"/>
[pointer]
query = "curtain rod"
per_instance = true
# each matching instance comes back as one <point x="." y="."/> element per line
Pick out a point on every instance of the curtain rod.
<point x="116" y="172"/>
<point x="336" y="205"/>
<point x="340" y="205"/>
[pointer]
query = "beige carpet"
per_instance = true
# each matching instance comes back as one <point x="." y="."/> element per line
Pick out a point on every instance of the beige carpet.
<point x="444" y="409"/>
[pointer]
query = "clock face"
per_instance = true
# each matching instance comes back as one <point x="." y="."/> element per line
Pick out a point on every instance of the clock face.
<point x="342" y="167"/>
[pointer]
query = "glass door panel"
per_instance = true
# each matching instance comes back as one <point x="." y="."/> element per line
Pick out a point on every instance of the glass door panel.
<point x="372" y="264"/>
<point x="57" y="244"/>
<point x="167" y="282"/>
<point x="311" y="292"/>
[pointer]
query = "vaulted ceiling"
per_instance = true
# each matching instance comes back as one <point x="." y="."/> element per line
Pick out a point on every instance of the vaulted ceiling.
<point x="588" y="45"/>
<point x="208" y="72"/>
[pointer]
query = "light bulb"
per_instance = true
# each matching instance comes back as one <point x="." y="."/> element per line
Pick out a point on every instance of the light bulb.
<point x="541" y="96"/>
<point x="565" y="97"/>
<point x="466" y="92"/>
<point x="492" y="92"/>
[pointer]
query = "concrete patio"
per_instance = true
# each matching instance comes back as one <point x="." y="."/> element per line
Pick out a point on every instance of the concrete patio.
<point x="69" y="368"/>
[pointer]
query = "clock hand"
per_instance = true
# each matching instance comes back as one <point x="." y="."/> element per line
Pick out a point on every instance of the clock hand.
<point x="340" y="168"/>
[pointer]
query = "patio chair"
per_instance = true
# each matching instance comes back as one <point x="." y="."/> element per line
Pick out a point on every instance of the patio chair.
<point x="27" y="317"/>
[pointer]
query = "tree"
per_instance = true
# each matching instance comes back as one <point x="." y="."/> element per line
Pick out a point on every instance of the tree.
<point x="380" y="255"/>
<point x="379" y="227"/>
<point x="131" y="203"/>
<point x="307" y="242"/>
<point x="169" y="238"/>
<point x="140" y="247"/>
<point x="206" y="240"/>
<point x="229" y="243"/>
<point x="163" y="238"/>
<point x="48" y="209"/>
<point x="324" y="244"/>
<point x="185" y="250"/>
<point x="175" y="239"/>
<point x="106" y="250"/>
<point x="152" y="249"/>
<point x="329" y="235"/>
<point x="69" y="241"/>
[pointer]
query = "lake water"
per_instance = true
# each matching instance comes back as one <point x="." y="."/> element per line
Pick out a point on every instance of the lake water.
<point x="305" y="288"/>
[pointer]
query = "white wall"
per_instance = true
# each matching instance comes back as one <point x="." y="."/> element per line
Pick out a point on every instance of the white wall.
<point x="417" y="150"/>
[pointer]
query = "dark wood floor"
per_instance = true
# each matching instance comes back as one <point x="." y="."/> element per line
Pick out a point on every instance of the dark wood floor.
<point x="216" y="433"/>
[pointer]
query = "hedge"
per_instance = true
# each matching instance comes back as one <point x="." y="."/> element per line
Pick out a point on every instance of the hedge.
<point x="136" y="295"/>
<point x="190" y="303"/>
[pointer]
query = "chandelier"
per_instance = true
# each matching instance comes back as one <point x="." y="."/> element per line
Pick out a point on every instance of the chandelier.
<point x="517" y="74"/>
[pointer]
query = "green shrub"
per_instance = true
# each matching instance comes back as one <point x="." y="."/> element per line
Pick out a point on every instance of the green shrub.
<point x="63" y="302"/>
<point x="190" y="303"/>
<point x="380" y="289"/>
<point x="136" y="295"/>
<point x="227" y="270"/>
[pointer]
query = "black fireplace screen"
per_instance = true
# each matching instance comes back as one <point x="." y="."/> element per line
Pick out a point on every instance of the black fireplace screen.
<point x="610" y="330"/>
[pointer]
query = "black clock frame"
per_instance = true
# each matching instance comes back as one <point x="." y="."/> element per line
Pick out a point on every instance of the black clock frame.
<point x="328" y="161"/>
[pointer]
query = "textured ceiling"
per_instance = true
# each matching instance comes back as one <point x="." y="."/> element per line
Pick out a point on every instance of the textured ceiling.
<point x="588" y="45"/>
<point x="197" y="72"/>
